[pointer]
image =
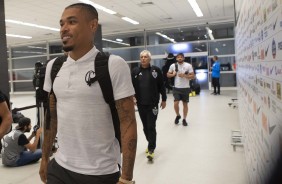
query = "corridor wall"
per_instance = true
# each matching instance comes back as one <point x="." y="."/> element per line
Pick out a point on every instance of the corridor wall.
<point x="258" y="42"/>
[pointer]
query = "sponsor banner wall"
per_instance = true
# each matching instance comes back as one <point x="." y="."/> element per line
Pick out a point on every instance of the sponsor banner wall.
<point x="259" y="80"/>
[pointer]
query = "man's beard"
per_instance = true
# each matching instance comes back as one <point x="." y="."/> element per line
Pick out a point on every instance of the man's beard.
<point x="67" y="48"/>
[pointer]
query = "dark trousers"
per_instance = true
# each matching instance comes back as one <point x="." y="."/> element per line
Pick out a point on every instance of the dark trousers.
<point x="59" y="175"/>
<point x="148" y="115"/>
<point x="216" y="84"/>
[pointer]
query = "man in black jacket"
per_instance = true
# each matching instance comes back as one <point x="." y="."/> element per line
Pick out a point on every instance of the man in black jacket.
<point x="148" y="84"/>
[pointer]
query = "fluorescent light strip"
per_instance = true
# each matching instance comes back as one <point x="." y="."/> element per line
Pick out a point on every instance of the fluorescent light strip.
<point x="31" y="25"/>
<point x="196" y="8"/>
<point x="34" y="47"/>
<point x="198" y="49"/>
<point x="166" y="37"/>
<point x="211" y="36"/>
<point x="99" y="7"/>
<point x="119" y="40"/>
<point x="18" y="36"/>
<point x="210" y="33"/>
<point x="130" y="20"/>
<point x="115" y="42"/>
<point x="108" y="11"/>
<point x="28" y="52"/>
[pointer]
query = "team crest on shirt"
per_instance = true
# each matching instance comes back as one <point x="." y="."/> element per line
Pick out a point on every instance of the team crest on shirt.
<point x="154" y="73"/>
<point x="155" y="111"/>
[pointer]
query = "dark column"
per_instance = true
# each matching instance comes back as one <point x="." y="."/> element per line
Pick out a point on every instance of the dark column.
<point x="4" y="76"/>
<point x="134" y="52"/>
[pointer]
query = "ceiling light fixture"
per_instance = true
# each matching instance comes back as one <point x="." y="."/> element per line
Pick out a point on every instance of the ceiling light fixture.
<point x="200" y="50"/>
<point x="196" y="8"/>
<point x="107" y="40"/>
<point x="130" y="20"/>
<point x="28" y="52"/>
<point x="119" y="40"/>
<point x="99" y="7"/>
<point x="31" y="25"/>
<point x="166" y="37"/>
<point x="209" y="32"/>
<point x="34" y="47"/>
<point x="19" y="36"/>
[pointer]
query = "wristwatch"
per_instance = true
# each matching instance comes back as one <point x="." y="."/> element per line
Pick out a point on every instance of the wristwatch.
<point x="126" y="181"/>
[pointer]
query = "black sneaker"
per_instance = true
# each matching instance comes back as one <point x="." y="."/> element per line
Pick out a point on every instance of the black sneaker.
<point x="184" y="122"/>
<point x="176" y="121"/>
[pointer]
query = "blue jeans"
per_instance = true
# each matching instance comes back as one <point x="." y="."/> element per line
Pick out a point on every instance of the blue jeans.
<point x="27" y="157"/>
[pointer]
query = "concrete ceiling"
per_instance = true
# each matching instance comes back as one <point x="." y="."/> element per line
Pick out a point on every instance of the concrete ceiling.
<point x="151" y="14"/>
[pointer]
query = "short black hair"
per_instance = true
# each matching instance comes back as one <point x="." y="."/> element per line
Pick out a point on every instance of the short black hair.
<point x="23" y="122"/>
<point x="91" y="10"/>
<point x="215" y="57"/>
<point x="180" y="54"/>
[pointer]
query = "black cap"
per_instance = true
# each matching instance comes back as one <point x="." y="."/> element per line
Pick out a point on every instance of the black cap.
<point x="23" y="122"/>
<point x="170" y="56"/>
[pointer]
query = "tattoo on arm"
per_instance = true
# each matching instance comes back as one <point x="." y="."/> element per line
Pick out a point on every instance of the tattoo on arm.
<point x="128" y="130"/>
<point x="50" y="134"/>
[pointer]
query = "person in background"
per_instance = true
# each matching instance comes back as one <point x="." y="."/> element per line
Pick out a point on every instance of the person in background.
<point x="88" y="151"/>
<point x="216" y="76"/>
<point x="169" y="61"/>
<point x="5" y="115"/>
<point x="148" y="83"/>
<point x="181" y="90"/>
<point x="15" y="145"/>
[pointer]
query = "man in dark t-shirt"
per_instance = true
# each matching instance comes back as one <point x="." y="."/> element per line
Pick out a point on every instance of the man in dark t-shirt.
<point x="15" y="145"/>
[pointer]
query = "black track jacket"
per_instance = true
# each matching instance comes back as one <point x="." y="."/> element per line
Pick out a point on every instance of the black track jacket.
<point x="148" y="84"/>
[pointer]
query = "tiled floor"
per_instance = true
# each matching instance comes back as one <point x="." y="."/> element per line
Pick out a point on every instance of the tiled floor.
<point x="198" y="154"/>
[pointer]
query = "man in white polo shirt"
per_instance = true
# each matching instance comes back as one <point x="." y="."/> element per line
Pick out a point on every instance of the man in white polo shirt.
<point x="182" y="72"/>
<point x="88" y="149"/>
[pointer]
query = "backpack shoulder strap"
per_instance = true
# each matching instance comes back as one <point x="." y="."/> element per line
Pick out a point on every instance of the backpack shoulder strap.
<point x="104" y="79"/>
<point x="176" y="66"/>
<point x="58" y="63"/>
<point x="103" y="76"/>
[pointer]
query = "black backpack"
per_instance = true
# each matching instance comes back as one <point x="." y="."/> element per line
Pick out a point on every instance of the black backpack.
<point x="195" y="86"/>
<point x="171" y="80"/>
<point x="38" y="82"/>
<point x="103" y="77"/>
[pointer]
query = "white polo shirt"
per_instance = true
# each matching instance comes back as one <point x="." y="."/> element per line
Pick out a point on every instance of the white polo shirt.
<point x="181" y="82"/>
<point x="86" y="138"/>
